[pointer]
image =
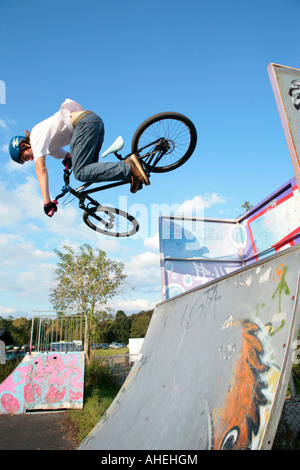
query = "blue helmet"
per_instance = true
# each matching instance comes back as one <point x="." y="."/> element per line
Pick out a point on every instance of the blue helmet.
<point x="14" y="148"/>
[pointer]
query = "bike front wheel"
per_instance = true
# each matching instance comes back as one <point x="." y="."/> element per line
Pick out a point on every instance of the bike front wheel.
<point x="111" y="221"/>
<point x="164" y="141"/>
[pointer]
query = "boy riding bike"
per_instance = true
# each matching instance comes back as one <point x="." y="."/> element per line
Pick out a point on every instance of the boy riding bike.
<point x="84" y="132"/>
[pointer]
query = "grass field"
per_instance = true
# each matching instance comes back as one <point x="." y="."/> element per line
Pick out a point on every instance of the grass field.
<point x="109" y="352"/>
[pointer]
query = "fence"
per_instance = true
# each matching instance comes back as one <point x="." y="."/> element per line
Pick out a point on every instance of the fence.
<point x="119" y="366"/>
<point x="60" y="333"/>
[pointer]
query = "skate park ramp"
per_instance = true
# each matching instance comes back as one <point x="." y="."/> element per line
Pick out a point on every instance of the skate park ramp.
<point x="50" y="376"/>
<point x="214" y="366"/>
<point x="44" y="381"/>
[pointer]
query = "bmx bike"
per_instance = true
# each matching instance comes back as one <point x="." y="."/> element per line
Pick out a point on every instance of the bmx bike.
<point x="163" y="142"/>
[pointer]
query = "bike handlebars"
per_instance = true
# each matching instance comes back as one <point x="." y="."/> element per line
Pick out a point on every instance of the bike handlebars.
<point x="67" y="173"/>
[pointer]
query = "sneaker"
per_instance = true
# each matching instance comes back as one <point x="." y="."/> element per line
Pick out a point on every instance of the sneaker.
<point x="136" y="185"/>
<point x="137" y="169"/>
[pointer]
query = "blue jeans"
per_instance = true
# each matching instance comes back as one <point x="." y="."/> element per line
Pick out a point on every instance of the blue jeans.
<point x="85" y="146"/>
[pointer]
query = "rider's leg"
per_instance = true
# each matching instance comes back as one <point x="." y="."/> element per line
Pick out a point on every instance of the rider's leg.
<point x="85" y="147"/>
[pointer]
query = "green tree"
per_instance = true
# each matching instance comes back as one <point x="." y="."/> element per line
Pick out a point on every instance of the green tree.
<point x="120" y="328"/>
<point x="21" y="328"/>
<point x="6" y="322"/>
<point x="102" y="326"/>
<point x="247" y="206"/>
<point x="140" y="323"/>
<point x="85" y="281"/>
<point x="139" y="327"/>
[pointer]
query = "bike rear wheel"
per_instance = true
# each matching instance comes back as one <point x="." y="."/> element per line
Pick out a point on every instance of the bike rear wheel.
<point x="111" y="221"/>
<point x="167" y="139"/>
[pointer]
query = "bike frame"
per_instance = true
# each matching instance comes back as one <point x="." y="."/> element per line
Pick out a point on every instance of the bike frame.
<point x="82" y="194"/>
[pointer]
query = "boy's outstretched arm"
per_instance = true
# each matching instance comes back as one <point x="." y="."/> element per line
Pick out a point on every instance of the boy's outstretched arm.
<point x="42" y="175"/>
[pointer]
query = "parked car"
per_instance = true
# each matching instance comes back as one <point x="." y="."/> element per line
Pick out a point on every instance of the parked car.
<point x="103" y="346"/>
<point x="12" y="355"/>
<point x="116" y="345"/>
<point x="66" y="346"/>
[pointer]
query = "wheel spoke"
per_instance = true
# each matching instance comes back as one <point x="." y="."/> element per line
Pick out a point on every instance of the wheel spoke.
<point x="111" y="221"/>
<point x="174" y="128"/>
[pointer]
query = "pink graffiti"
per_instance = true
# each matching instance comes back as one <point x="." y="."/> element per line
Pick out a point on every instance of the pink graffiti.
<point x="28" y="393"/>
<point x="54" y="395"/>
<point x="31" y="392"/>
<point x="10" y="404"/>
<point x="75" y="396"/>
<point x="58" y="370"/>
<point x="47" y="378"/>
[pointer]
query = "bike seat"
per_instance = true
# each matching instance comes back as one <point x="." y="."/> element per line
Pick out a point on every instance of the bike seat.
<point x="115" y="147"/>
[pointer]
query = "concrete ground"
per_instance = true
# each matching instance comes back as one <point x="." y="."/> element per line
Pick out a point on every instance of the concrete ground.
<point x="37" y="431"/>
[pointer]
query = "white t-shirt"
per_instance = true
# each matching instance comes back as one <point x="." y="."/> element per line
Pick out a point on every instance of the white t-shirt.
<point x="51" y="135"/>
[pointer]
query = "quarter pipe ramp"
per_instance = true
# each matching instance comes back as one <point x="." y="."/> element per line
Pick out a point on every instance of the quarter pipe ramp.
<point x="214" y="366"/>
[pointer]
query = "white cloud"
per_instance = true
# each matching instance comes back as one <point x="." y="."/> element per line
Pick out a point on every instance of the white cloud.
<point x="22" y="209"/>
<point x="3" y="124"/>
<point x="4" y="148"/>
<point x="28" y="287"/>
<point x="15" y="251"/>
<point x="26" y="273"/>
<point x="20" y="204"/>
<point x="198" y="204"/>
<point x="152" y="242"/>
<point x="144" y="272"/>
<point x="13" y="167"/>
<point x="143" y="261"/>
<point x="8" y="311"/>
<point x="132" y="306"/>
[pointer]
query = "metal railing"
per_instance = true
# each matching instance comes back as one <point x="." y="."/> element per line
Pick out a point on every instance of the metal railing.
<point x="58" y="332"/>
<point x="119" y="366"/>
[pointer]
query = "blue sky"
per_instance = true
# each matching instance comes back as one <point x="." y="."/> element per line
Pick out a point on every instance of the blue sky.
<point x="127" y="60"/>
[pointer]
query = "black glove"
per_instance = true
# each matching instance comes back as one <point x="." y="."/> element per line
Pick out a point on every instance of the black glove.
<point x="50" y="208"/>
<point x="67" y="162"/>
